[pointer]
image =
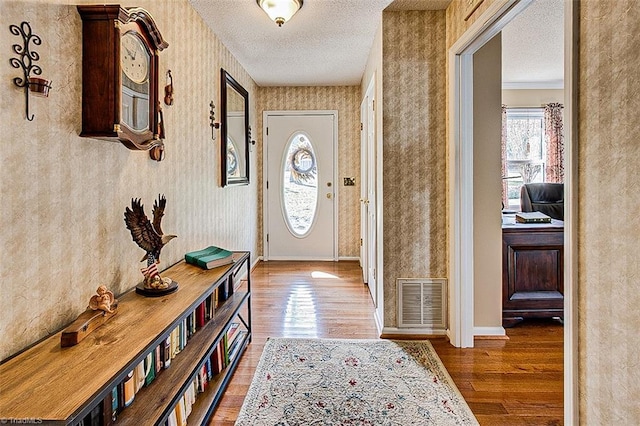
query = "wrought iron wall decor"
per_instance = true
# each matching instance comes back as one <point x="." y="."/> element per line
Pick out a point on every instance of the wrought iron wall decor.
<point x="26" y="61"/>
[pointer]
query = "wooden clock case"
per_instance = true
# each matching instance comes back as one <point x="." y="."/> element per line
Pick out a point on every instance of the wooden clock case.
<point x="102" y="79"/>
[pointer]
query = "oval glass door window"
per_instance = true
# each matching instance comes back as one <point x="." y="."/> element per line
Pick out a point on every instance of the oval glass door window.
<point x="300" y="185"/>
<point x="232" y="159"/>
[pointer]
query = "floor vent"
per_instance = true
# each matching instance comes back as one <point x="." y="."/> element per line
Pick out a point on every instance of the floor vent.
<point x="422" y="302"/>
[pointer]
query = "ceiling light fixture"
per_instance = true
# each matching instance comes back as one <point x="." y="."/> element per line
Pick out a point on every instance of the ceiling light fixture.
<point x="280" y="11"/>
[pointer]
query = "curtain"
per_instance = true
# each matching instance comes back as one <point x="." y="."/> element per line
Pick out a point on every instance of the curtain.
<point x="554" y="136"/>
<point x="503" y="153"/>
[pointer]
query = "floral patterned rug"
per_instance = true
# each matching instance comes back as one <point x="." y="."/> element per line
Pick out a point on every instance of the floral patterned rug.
<point x="352" y="382"/>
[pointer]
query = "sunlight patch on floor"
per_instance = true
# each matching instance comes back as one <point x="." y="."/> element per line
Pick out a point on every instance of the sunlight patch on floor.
<point x="320" y="274"/>
<point x="300" y="317"/>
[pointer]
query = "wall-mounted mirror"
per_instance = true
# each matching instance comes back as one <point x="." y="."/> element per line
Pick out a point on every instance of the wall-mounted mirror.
<point x="235" y="131"/>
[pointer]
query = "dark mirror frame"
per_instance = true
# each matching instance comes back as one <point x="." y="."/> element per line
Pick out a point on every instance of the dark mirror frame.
<point x="229" y="83"/>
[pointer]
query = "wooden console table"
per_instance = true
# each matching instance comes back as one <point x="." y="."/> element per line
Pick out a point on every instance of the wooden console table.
<point x="532" y="270"/>
<point x="50" y="384"/>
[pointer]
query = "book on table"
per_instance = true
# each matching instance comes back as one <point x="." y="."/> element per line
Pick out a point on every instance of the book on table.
<point x="210" y="257"/>
<point x="532" y="217"/>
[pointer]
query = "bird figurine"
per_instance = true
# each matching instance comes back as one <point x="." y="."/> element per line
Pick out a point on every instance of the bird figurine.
<point x="150" y="238"/>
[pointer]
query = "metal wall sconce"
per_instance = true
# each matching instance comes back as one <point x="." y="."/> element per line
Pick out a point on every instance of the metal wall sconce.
<point x="212" y="120"/>
<point x="25" y="61"/>
<point x="251" y="141"/>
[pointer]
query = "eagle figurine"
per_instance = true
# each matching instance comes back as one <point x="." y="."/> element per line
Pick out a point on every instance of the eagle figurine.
<point x="147" y="235"/>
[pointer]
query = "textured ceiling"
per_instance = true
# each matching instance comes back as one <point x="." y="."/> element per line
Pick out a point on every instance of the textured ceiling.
<point x="533" y="47"/>
<point x="327" y="42"/>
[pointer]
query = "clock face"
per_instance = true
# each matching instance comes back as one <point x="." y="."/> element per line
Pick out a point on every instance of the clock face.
<point x="134" y="58"/>
<point x="136" y="84"/>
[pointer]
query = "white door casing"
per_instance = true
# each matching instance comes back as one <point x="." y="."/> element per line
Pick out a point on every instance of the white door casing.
<point x="319" y="129"/>
<point x="368" y="250"/>
<point x="371" y="200"/>
<point x="364" y="242"/>
<point x="493" y="20"/>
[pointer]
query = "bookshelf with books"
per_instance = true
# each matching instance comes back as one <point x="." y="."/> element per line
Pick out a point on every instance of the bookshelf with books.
<point x="159" y="361"/>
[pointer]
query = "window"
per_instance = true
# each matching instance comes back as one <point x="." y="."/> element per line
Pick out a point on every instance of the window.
<point x="526" y="150"/>
<point x="300" y="185"/>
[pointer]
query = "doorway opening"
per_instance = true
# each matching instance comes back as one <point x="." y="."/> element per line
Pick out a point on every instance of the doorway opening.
<point x="461" y="191"/>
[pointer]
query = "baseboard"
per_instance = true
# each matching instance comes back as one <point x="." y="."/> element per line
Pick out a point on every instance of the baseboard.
<point x="489" y="333"/>
<point x="348" y="258"/>
<point x="413" y="333"/>
<point x="255" y="262"/>
<point x="300" y="259"/>
<point x="378" y="321"/>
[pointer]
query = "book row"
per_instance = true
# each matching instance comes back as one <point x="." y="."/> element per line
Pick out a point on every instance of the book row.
<point x="223" y="355"/>
<point x="160" y="358"/>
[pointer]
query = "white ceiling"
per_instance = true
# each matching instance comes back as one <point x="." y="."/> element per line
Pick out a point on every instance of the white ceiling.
<point x="533" y="47"/>
<point x="327" y="42"/>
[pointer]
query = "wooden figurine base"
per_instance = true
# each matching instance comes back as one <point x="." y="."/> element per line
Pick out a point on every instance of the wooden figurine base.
<point x="149" y="292"/>
<point x="88" y="321"/>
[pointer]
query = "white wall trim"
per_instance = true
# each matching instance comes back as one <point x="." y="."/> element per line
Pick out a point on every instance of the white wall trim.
<point x="489" y="331"/>
<point x="461" y="164"/>
<point x="304" y="258"/>
<point x="379" y="201"/>
<point x="571" y="361"/>
<point x="379" y="325"/>
<point x="413" y="331"/>
<point x="348" y="258"/>
<point x="534" y="85"/>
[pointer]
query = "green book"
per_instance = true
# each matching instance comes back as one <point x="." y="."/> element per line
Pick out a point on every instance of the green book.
<point x="210" y="257"/>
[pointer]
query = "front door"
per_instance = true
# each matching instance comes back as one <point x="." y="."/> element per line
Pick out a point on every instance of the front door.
<point x="300" y="202"/>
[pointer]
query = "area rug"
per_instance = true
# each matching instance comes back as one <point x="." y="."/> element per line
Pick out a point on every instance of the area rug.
<point x="352" y="382"/>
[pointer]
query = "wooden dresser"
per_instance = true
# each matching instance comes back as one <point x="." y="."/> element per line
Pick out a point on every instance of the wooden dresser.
<point x="532" y="270"/>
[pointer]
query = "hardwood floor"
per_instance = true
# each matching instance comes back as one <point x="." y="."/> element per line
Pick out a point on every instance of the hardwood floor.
<point x="511" y="382"/>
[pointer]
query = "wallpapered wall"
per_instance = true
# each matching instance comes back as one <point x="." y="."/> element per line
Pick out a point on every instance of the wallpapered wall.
<point x="608" y="164"/>
<point x="414" y="150"/>
<point x="345" y="99"/>
<point x="62" y="231"/>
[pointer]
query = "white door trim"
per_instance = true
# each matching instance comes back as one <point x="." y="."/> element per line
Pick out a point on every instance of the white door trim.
<point x="364" y="237"/>
<point x="571" y="361"/>
<point x="371" y="197"/>
<point x="461" y="164"/>
<point x="265" y="163"/>
<point x="461" y="331"/>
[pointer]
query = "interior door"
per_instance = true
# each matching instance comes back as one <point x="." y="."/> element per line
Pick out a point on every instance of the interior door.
<point x="300" y="186"/>
<point x="368" y="250"/>
<point x="364" y="241"/>
<point x="370" y="202"/>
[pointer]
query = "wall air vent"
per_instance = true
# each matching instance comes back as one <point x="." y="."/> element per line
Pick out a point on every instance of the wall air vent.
<point x="422" y="302"/>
